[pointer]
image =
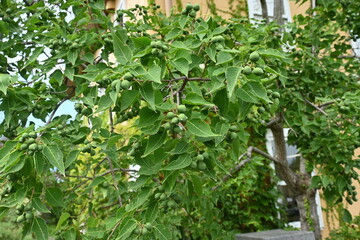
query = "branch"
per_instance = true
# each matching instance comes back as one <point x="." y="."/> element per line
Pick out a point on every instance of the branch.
<point x="237" y="168"/>
<point x="118" y="170"/>
<point x="326" y="104"/>
<point x="114" y="179"/>
<point x="264" y="10"/>
<point x="73" y="176"/>
<point x="111" y="121"/>
<point x="56" y="108"/>
<point x="273" y="121"/>
<point x="316" y="107"/>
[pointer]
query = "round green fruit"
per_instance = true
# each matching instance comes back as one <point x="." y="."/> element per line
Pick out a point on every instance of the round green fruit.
<point x="206" y="155"/>
<point x="174" y="120"/>
<point x="144" y="231"/>
<point x="148" y="225"/>
<point x="33" y="147"/>
<point x="128" y="76"/>
<point x="275" y="95"/>
<point x="199" y="158"/>
<point x="170" y="115"/>
<point x="125" y="84"/>
<point x="233" y="128"/>
<point x="196" y="7"/>
<point x="153" y="44"/>
<point x="20" y="207"/>
<point x="254" y="56"/>
<point x="201" y="165"/>
<point x="30" y="141"/>
<point x="23" y="146"/>
<point x="233" y="135"/>
<point x="193" y="164"/>
<point x="86" y="111"/>
<point x="20" y="219"/>
<point x="163" y="196"/>
<point x="246" y="70"/>
<point x="181" y="109"/>
<point x="167" y="126"/>
<point x="157" y="195"/>
<point x="171" y="204"/>
<point x="25" y="135"/>
<point x="189" y="7"/>
<point x="258" y="71"/>
<point x="192" y="14"/>
<point x="29" y="215"/>
<point x="33" y="135"/>
<point x="182" y="118"/>
<point x="261" y="109"/>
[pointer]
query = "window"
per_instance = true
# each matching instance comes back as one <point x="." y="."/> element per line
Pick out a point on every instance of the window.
<point x="289" y="202"/>
<point x="255" y="10"/>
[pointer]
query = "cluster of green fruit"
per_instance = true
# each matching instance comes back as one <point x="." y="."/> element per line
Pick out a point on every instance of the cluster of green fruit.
<point x="106" y="37"/>
<point x="124" y="84"/>
<point x="63" y="130"/>
<point x="141" y="10"/>
<point x="143" y="229"/>
<point x="134" y="148"/>
<point x="10" y="132"/>
<point x="30" y="143"/>
<point x="155" y="6"/>
<point x="190" y="10"/>
<point x="24" y="212"/>
<point x="247" y="70"/>
<point x="174" y="119"/>
<point x="57" y="43"/>
<point x="352" y="194"/>
<point x="199" y="161"/>
<point x="82" y="109"/>
<point x="158" y="48"/>
<point x="5" y="190"/>
<point x="88" y="148"/>
<point x="7" y="16"/>
<point x="167" y="202"/>
<point x="124" y="116"/>
<point x="232" y="133"/>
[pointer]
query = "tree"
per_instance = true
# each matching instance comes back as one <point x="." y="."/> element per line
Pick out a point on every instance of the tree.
<point x="197" y="94"/>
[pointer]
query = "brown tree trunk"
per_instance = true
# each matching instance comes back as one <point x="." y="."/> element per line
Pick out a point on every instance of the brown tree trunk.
<point x="278" y="11"/>
<point x="264" y="10"/>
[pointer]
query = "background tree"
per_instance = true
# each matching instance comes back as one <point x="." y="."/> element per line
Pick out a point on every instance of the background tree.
<point x="197" y="95"/>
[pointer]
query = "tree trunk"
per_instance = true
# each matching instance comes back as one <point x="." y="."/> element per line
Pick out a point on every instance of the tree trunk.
<point x="264" y="10"/>
<point x="278" y="11"/>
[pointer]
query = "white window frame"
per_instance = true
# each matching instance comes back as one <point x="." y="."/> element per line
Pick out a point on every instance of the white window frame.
<point x="254" y="7"/>
<point x="269" y="148"/>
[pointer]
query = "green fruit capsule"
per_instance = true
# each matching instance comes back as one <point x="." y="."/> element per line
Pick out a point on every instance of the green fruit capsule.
<point x="196" y="7"/>
<point x="18" y="212"/>
<point x="275" y="95"/>
<point x="144" y="231"/>
<point x="206" y="155"/>
<point x="33" y="147"/>
<point x="29" y="215"/>
<point x="170" y="115"/>
<point x="86" y="111"/>
<point x="258" y="71"/>
<point x="28" y="207"/>
<point x="192" y="14"/>
<point x="193" y="165"/>
<point x="157" y="195"/>
<point x="167" y="126"/>
<point x="33" y="135"/>
<point x="171" y="204"/>
<point x="199" y="158"/>
<point x="254" y="56"/>
<point x="233" y="128"/>
<point x="201" y="165"/>
<point x="20" y="219"/>
<point x="148" y="225"/>
<point x="154" y="52"/>
<point x="181" y="109"/>
<point x="128" y="76"/>
<point x="153" y="44"/>
<point x="246" y="70"/>
<point x="177" y="129"/>
<point x="261" y="109"/>
<point x="125" y="84"/>
<point x="163" y="196"/>
<point x="233" y="135"/>
<point x="23" y="146"/>
<point x="189" y="7"/>
<point x="25" y="135"/>
<point x="182" y="118"/>
<point x="174" y="120"/>
<point x="20" y="207"/>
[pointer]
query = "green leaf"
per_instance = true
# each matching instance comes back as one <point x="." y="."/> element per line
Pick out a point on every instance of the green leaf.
<point x="152" y="211"/>
<point x="181" y="162"/>
<point x="246" y="96"/>
<point x="154" y="73"/>
<point x="122" y="52"/>
<point x="197" y="184"/>
<point x="72" y="56"/>
<point x="221" y="129"/>
<point x="148" y="117"/>
<point x="38" y="205"/>
<point x="232" y="74"/>
<point x="223" y="57"/>
<point x="40" y="229"/>
<point x="54" y="155"/>
<point x="195" y="99"/>
<point x="5" y="80"/>
<point x="126" y="227"/>
<point x="54" y="196"/>
<point x="211" y="52"/>
<point x="181" y="147"/>
<point x="256" y="89"/>
<point x="182" y="65"/>
<point x="162" y="232"/>
<point x="139" y="200"/>
<point x="199" y="128"/>
<point x="347" y="216"/>
<point x="148" y="93"/>
<point x="174" y="33"/>
<point x="35" y="54"/>
<point x="64" y="216"/>
<point x="104" y="103"/>
<point x="155" y="141"/>
<point x="39" y="162"/>
<point x="71" y="157"/>
<point x="127" y="98"/>
<point x="96" y="181"/>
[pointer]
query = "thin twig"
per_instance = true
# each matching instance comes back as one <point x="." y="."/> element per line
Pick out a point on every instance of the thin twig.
<point x="326" y="104"/>
<point x="73" y="176"/>
<point x="55" y="109"/>
<point x="111" y="120"/>
<point x="116" y="185"/>
<point x="316" y="107"/>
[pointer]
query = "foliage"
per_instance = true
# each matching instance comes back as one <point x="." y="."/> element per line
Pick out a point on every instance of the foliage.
<point x="194" y="93"/>
<point x="348" y="231"/>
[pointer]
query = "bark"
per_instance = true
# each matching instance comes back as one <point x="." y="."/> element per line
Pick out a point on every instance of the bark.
<point x="299" y="184"/>
<point x="278" y="11"/>
<point x="264" y="10"/>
